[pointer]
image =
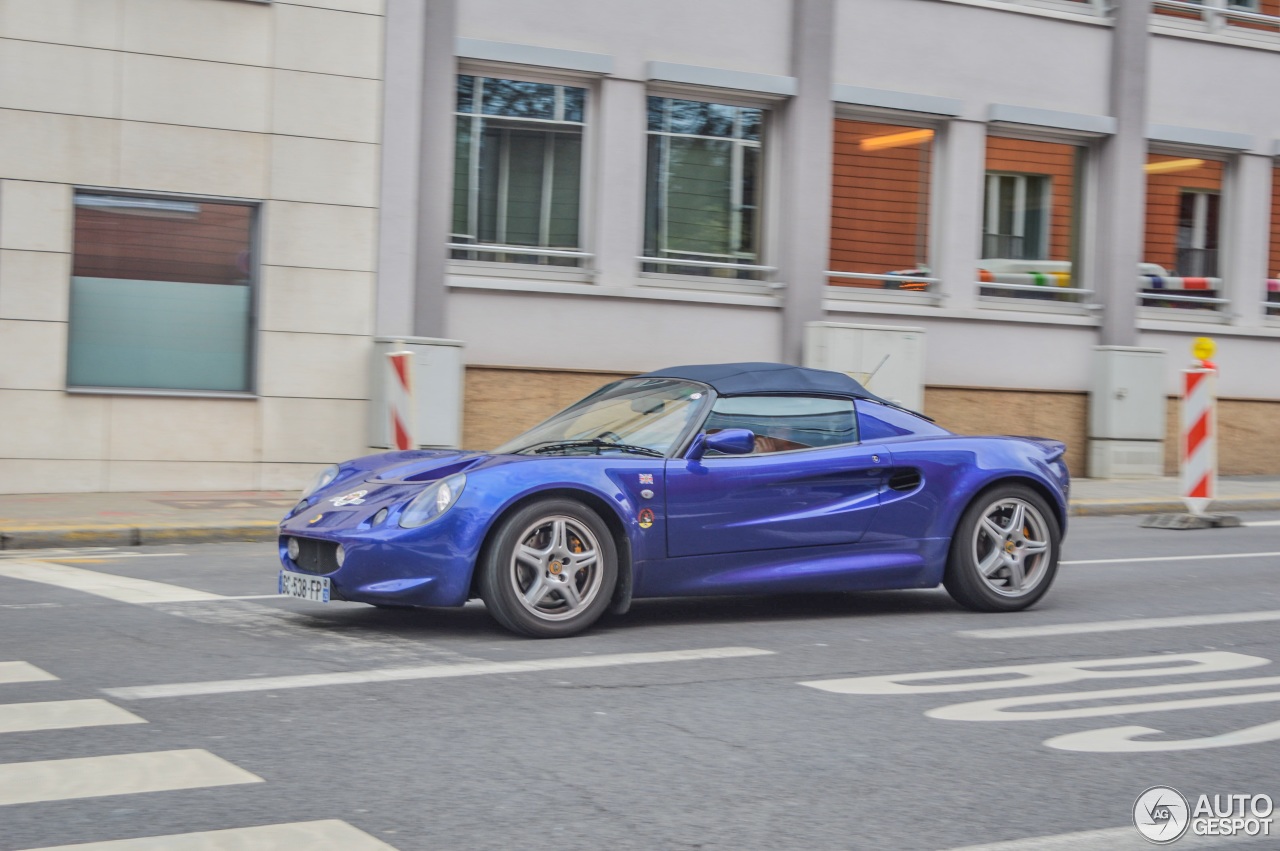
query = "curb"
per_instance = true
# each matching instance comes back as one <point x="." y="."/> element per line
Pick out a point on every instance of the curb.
<point x="134" y="536"/>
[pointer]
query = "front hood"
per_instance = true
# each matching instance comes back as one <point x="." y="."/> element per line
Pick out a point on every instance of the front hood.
<point x="428" y="466"/>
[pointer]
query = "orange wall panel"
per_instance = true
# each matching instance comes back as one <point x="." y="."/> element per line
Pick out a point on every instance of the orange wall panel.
<point x="1274" y="268"/>
<point x="879" y="201"/>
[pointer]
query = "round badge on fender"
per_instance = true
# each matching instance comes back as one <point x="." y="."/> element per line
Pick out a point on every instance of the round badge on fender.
<point x="646" y="518"/>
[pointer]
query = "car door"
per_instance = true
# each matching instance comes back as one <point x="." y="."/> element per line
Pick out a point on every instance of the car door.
<point x="808" y="484"/>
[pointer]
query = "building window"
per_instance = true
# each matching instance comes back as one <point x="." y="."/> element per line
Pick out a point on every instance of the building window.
<point x="1180" y="249"/>
<point x="702" y="213"/>
<point x="880" y="206"/>
<point x="1016" y="220"/>
<point x="1198" y="234"/>
<point x="161" y="294"/>
<point x="1273" y="279"/>
<point x="1030" y="220"/>
<point x="517" y="179"/>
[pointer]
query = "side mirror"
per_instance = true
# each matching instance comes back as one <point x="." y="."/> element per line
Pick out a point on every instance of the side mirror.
<point x="731" y="441"/>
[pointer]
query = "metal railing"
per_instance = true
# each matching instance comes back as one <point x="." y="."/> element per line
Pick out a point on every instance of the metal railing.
<point x="751" y="272"/>
<point x="1216" y="14"/>
<point x="996" y="285"/>
<point x="529" y="250"/>
<point x="1146" y="296"/>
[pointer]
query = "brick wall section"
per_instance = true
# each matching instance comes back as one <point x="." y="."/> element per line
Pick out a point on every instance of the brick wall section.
<point x="1022" y="156"/>
<point x="970" y="410"/>
<point x="880" y="202"/>
<point x="1247" y="431"/>
<point x="500" y="403"/>
<point x="1164" y="192"/>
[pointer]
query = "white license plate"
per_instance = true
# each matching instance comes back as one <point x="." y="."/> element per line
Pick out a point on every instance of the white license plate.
<point x="304" y="586"/>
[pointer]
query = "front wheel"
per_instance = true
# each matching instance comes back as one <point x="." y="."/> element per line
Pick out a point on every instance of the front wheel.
<point x="1004" y="555"/>
<point x="549" y="570"/>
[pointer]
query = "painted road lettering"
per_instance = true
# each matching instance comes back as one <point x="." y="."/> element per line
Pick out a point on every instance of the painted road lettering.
<point x="1105" y="702"/>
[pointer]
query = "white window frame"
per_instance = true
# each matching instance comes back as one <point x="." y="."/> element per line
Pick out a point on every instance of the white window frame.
<point x="585" y="271"/>
<point x="767" y="189"/>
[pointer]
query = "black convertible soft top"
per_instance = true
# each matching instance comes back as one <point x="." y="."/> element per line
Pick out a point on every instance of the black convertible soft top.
<point x="758" y="379"/>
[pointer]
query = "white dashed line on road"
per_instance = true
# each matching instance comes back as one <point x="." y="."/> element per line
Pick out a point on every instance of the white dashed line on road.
<point x="1127" y="625"/>
<point x="1204" y="557"/>
<point x="429" y="672"/>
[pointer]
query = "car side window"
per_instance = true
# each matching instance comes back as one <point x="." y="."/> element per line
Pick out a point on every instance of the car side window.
<point x="785" y="423"/>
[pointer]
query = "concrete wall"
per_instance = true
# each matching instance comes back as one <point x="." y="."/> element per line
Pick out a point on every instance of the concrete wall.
<point x="277" y="103"/>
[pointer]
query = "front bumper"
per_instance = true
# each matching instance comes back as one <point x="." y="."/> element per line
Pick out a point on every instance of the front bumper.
<point x="430" y="565"/>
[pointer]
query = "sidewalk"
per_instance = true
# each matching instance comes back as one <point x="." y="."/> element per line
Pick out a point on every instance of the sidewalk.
<point x="30" y="521"/>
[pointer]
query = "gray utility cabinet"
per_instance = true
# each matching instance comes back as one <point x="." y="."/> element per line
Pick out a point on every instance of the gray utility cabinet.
<point x="1127" y="413"/>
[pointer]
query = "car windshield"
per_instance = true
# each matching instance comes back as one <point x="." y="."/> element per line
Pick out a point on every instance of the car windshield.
<point x="636" y="416"/>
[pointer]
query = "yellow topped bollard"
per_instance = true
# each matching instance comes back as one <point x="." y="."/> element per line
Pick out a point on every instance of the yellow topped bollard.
<point x="1202" y="348"/>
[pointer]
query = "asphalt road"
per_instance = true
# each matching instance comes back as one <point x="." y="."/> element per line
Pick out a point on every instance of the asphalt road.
<point x="646" y="732"/>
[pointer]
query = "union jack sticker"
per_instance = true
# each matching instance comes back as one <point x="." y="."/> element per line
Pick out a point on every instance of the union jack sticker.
<point x="646" y="478"/>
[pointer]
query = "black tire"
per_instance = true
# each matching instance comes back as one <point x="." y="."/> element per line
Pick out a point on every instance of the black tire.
<point x="995" y="563"/>
<point x="549" y="570"/>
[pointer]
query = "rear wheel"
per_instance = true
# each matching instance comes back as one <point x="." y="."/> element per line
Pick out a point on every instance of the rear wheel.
<point x="549" y="570"/>
<point x="1004" y="555"/>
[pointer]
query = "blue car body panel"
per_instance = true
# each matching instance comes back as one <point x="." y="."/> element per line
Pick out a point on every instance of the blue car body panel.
<point x="860" y="517"/>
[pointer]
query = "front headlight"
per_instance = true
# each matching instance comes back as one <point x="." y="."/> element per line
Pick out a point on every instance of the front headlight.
<point x="327" y="475"/>
<point x="433" y="502"/>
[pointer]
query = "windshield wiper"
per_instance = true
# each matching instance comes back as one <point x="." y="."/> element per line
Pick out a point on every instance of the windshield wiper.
<point x="597" y="443"/>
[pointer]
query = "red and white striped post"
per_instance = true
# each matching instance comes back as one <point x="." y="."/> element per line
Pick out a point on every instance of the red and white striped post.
<point x="1200" y="430"/>
<point x="400" y="398"/>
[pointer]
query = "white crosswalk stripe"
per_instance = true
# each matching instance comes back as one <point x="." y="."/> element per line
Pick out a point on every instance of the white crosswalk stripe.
<point x="62" y="715"/>
<point x="51" y="780"/>
<point x="118" y="774"/>
<point x="327" y="835"/>
<point x="124" y="589"/>
<point x="23" y="672"/>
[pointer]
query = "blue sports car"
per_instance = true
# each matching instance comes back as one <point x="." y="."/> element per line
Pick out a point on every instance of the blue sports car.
<point x="743" y="478"/>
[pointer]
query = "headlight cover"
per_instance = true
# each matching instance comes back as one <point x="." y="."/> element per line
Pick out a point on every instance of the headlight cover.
<point x="433" y="501"/>
<point x="327" y="475"/>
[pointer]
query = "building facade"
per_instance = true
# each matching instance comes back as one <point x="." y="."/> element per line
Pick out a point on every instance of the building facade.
<point x="188" y="230"/>
<point x="212" y="209"/>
